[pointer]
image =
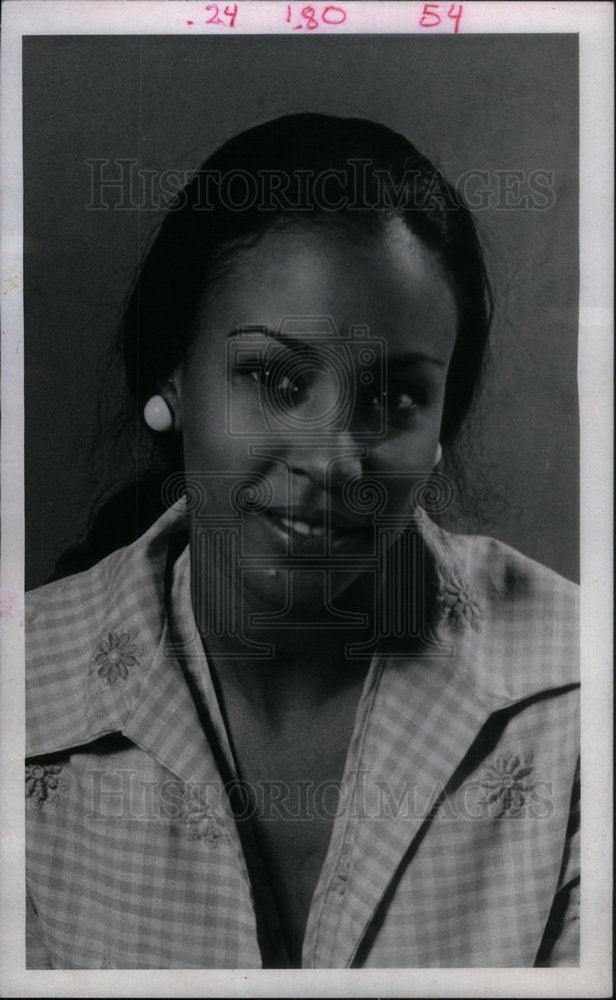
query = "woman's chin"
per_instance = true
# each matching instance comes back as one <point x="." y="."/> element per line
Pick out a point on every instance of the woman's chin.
<point x="293" y="596"/>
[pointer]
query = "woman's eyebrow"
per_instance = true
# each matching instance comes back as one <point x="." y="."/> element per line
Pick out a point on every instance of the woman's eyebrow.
<point x="292" y="342"/>
<point x="399" y="360"/>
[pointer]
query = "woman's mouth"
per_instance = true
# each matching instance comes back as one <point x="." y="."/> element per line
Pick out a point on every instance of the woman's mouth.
<point x="299" y="527"/>
<point x="305" y="531"/>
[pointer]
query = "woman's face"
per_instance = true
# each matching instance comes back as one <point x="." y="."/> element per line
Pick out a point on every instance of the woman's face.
<point x="321" y="356"/>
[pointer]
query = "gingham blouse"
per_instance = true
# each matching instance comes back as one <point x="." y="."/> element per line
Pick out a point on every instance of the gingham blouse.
<point x="455" y="841"/>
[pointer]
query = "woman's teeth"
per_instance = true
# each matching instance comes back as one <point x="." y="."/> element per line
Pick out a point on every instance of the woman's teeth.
<point x="302" y="527"/>
<point x="317" y="532"/>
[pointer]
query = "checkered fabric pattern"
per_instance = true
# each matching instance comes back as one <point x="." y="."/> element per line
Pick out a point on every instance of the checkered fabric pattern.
<point x="455" y="843"/>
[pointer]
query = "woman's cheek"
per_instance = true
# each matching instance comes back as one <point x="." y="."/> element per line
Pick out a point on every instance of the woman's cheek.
<point x="406" y="451"/>
<point x="401" y="465"/>
<point x="246" y="410"/>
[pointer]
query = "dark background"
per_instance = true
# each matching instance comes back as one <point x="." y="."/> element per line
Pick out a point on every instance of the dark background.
<point x="469" y="102"/>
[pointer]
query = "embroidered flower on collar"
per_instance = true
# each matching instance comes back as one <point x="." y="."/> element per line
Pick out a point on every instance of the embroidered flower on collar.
<point x="42" y="784"/>
<point x="195" y="812"/>
<point x="505" y="783"/>
<point x="457" y="600"/>
<point x="115" y="655"/>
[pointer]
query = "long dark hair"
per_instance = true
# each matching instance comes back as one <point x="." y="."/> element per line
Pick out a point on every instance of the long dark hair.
<point x="255" y="180"/>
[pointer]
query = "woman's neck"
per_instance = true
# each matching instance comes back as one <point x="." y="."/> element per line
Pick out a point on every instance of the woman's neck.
<point x="304" y="662"/>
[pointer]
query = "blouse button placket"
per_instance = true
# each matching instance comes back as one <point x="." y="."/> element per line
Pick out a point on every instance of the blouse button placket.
<point x="341" y="877"/>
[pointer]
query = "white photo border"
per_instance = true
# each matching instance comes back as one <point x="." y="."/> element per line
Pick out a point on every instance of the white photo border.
<point x="593" y="22"/>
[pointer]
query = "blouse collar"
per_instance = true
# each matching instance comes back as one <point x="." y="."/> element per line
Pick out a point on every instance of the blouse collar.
<point x="103" y="651"/>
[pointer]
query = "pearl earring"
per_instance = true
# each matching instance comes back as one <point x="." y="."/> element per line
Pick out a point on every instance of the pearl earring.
<point x="157" y="414"/>
<point x="439" y="454"/>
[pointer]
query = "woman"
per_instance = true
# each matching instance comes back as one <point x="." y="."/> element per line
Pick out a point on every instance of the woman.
<point x="295" y="724"/>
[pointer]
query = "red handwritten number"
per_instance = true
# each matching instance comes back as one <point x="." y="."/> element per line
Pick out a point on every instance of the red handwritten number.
<point x="335" y="17"/>
<point x="311" y="18"/>
<point x="311" y="22"/>
<point x="455" y="17"/>
<point x="430" y="13"/>
<point x="231" y="13"/>
<point x="214" y="19"/>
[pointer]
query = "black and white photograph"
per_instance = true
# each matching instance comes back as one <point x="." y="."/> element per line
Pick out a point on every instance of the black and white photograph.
<point x="303" y="446"/>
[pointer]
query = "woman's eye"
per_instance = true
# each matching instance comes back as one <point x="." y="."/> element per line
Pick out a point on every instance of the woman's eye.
<point x="395" y="402"/>
<point x="287" y="385"/>
<point x="280" y="387"/>
<point x="403" y="402"/>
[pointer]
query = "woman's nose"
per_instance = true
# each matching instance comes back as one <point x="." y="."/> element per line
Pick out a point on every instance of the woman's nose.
<point x="321" y="444"/>
<point x="327" y="463"/>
